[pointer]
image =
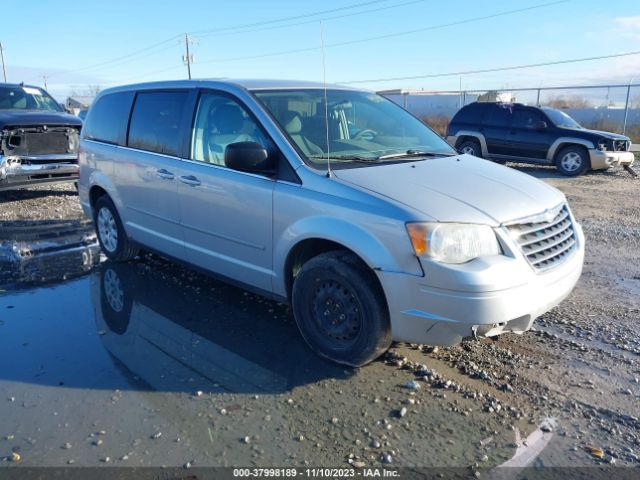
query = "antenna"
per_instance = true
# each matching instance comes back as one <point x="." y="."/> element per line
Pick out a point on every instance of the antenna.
<point x="326" y="103"/>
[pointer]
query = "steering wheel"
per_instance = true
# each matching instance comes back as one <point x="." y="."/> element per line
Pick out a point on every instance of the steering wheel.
<point x="366" y="134"/>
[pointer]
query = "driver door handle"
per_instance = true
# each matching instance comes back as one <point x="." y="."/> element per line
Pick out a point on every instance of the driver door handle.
<point x="165" y="174"/>
<point x="190" y="180"/>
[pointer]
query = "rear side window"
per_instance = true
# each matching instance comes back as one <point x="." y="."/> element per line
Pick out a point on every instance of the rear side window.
<point x="108" y="118"/>
<point x="499" y="116"/>
<point x="156" y="120"/>
<point x="526" y="118"/>
<point x="470" y="114"/>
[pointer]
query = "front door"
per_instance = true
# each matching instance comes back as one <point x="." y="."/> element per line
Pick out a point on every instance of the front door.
<point x="226" y="214"/>
<point x="527" y="135"/>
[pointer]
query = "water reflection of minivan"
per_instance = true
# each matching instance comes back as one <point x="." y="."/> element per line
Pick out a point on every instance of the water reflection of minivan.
<point x="333" y="199"/>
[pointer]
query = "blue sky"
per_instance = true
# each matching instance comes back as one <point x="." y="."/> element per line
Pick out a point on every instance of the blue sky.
<point x="71" y="41"/>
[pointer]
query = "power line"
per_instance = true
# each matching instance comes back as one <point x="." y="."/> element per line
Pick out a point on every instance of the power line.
<point x="119" y="60"/>
<point x="286" y="19"/>
<point x="282" y="26"/>
<point x="498" y="69"/>
<point x="391" y="35"/>
<point x="307" y="22"/>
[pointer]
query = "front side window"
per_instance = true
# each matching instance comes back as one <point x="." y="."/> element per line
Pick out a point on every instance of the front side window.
<point x="220" y="121"/>
<point x="27" y="98"/>
<point x="561" y="119"/>
<point x="352" y="127"/>
<point x="155" y="122"/>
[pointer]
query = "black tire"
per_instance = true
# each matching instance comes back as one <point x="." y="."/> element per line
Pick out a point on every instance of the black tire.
<point x="573" y="160"/>
<point x="471" y="147"/>
<point x="115" y="298"/>
<point x="354" y="326"/>
<point x="112" y="238"/>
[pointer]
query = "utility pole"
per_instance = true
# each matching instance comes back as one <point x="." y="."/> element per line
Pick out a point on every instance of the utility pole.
<point x="44" y="77"/>
<point x="4" y="69"/>
<point x="188" y="58"/>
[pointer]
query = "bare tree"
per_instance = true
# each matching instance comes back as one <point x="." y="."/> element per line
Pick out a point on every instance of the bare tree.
<point x="568" y="101"/>
<point x="88" y="91"/>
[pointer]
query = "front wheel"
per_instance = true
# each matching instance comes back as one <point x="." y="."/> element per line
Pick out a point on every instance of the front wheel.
<point x="572" y="161"/>
<point x="471" y="147"/>
<point x="340" y="309"/>
<point x="111" y="235"/>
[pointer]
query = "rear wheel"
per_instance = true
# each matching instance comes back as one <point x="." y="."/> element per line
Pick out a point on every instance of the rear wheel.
<point x="572" y="161"/>
<point x="340" y="309"/>
<point x="111" y="235"/>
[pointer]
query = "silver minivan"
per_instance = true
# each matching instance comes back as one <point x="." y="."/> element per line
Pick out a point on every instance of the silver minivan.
<point x="332" y="199"/>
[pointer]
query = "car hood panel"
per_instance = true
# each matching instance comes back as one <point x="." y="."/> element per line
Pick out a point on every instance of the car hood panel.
<point x="462" y="189"/>
<point x="599" y="133"/>
<point x="25" y="118"/>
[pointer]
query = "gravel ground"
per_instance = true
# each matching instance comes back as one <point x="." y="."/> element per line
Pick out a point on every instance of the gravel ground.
<point x="45" y="202"/>
<point x="578" y="366"/>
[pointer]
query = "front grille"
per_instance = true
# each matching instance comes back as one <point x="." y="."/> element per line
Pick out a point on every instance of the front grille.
<point x="621" y="145"/>
<point x="46" y="143"/>
<point x="546" y="244"/>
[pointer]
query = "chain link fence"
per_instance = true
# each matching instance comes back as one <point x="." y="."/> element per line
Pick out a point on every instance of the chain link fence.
<point x="613" y="108"/>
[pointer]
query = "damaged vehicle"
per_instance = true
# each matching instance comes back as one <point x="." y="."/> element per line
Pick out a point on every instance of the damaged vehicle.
<point x="38" y="140"/>
<point x="46" y="252"/>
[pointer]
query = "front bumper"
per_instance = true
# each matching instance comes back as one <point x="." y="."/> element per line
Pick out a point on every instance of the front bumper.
<point x="18" y="172"/>
<point x="441" y="315"/>
<point x="601" y="160"/>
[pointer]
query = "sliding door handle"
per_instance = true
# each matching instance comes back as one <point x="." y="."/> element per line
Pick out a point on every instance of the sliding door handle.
<point x="190" y="180"/>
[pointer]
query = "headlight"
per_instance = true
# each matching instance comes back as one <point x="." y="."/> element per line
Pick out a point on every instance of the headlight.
<point x="453" y="242"/>
<point x="73" y="141"/>
<point x="602" y="146"/>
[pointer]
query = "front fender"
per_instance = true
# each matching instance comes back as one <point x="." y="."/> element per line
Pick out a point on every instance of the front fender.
<point x="362" y="242"/>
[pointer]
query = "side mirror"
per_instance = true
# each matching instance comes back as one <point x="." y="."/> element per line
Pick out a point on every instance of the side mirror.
<point x="248" y="157"/>
<point x="540" y="125"/>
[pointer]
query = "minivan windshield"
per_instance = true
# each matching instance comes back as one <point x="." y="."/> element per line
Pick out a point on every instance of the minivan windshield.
<point x="561" y="119"/>
<point x="26" y="98"/>
<point x="351" y="127"/>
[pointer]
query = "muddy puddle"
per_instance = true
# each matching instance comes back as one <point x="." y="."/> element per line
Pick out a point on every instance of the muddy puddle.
<point x="150" y="364"/>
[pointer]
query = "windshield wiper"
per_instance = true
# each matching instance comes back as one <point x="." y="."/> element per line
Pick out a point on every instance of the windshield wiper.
<point x="414" y="153"/>
<point x="353" y="158"/>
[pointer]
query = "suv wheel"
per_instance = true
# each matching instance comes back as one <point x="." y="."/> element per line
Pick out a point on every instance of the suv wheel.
<point x="340" y="309"/>
<point x="111" y="235"/>
<point x="572" y="161"/>
<point x="471" y="147"/>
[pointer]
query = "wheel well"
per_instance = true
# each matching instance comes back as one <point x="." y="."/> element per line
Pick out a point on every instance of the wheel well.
<point x="304" y="251"/>
<point x="464" y="138"/>
<point x="564" y="145"/>
<point x="95" y="193"/>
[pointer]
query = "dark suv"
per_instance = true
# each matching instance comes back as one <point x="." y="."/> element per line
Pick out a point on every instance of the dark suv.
<point x="542" y="135"/>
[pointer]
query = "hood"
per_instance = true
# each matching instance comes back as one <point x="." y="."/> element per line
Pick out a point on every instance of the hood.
<point x="462" y="189"/>
<point x="36" y="117"/>
<point x="599" y="133"/>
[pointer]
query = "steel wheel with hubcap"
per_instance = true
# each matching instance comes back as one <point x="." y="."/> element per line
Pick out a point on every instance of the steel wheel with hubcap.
<point x="107" y="229"/>
<point x="115" y="297"/>
<point x="572" y="161"/>
<point x="340" y="308"/>
<point x="111" y="235"/>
